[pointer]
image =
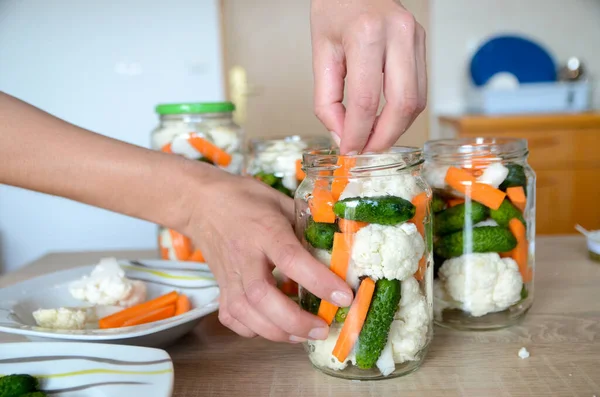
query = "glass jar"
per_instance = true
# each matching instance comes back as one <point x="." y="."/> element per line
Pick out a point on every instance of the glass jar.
<point x="367" y="217"/>
<point x="484" y="231"/>
<point x="198" y="131"/>
<point x="278" y="161"/>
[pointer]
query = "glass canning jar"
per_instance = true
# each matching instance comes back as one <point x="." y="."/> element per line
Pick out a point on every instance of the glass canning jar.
<point x="484" y="231"/>
<point x="367" y="218"/>
<point x="198" y="131"/>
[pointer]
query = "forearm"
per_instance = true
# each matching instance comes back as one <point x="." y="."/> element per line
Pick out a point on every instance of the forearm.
<point x="42" y="153"/>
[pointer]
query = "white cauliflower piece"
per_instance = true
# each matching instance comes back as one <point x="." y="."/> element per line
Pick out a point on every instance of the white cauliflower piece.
<point x="321" y="255"/>
<point x="494" y="174"/>
<point x="441" y="300"/>
<point x="136" y="296"/>
<point x="391" y="252"/>
<point x="481" y="283"/>
<point x="280" y="158"/>
<point x="409" y="329"/>
<point x="107" y="285"/>
<point x="237" y="162"/>
<point x="166" y="135"/>
<point x="402" y="185"/>
<point x="181" y="146"/>
<point x="62" y="318"/>
<point x="435" y="175"/>
<point x="225" y="137"/>
<point x="487" y="222"/>
<point x="166" y="241"/>
<point x="385" y="363"/>
<point x="321" y="351"/>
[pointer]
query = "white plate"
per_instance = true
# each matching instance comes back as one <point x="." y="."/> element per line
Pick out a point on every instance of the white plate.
<point x="17" y="302"/>
<point x="91" y="370"/>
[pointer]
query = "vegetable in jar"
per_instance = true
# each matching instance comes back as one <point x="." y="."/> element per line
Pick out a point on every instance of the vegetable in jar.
<point x="483" y="231"/>
<point x="368" y="218"/>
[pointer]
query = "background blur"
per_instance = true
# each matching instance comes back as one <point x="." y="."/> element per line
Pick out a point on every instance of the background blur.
<point x="105" y="65"/>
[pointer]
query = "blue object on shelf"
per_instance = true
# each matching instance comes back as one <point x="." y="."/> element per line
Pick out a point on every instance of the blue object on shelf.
<point x="526" y="60"/>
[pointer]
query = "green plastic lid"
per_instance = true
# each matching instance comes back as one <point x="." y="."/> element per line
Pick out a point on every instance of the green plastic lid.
<point x="199" y="107"/>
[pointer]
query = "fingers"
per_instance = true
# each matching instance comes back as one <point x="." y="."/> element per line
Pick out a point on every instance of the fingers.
<point x="421" y="47"/>
<point x="285" y="251"/>
<point x="401" y="84"/>
<point x="364" y="57"/>
<point x="329" y="72"/>
<point x="229" y="321"/>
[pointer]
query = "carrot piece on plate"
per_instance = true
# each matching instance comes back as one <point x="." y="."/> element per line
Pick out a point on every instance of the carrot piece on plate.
<point x="182" y="305"/>
<point x="517" y="196"/>
<point x="118" y="319"/>
<point x="354" y="320"/>
<point x="152" y="316"/>
<point x="210" y="150"/>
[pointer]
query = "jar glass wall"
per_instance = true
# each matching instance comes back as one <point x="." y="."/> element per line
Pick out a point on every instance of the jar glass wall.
<point x="484" y="231"/>
<point x="367" y="217"/>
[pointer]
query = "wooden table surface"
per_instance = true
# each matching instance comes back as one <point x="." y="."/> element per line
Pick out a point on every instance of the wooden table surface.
<point x="562" y="333"/>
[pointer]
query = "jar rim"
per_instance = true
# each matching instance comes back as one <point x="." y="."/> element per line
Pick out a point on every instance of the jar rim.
<point x="461" y="149"/>
<point x="326" y="159"/>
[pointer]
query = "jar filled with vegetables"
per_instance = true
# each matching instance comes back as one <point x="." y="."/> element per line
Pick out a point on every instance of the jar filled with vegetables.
<point x="367" y="217"/>
<point x="278" y="161"/>
<point x="202" y="132"/>
<point x="484" y="230"/>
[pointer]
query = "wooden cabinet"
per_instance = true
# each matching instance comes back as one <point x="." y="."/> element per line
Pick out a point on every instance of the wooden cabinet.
<point x="564" y="153"/>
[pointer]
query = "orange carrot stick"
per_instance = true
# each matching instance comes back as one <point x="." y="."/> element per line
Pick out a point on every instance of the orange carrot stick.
<point x="150" y="317"/>
<point x="348" y="226"/>
<point x="355" y="320"/>
<point x="167" y="148"/>
<point x="466" y="183"/>
<point x="421" y="203"/>
<point x="340" y="257"/>
<point x="517" y="197"/>
<point x="164" y="253"/>
<point x="520" y="252"/>
<point x="321" y="203"/>
<point x="420" y="273"/>
<point x="116" y="320"/>
<point x="341" y="176"/>
<point x="196" y="256"/>
<point x="300" y="174"/>
<point x="181" y="244"/>
<point x="210" y="151"/>
<point x="455" y="202"/>
<point x="182" y="305"/>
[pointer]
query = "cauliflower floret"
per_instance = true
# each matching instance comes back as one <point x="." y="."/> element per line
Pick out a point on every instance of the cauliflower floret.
<point x="408" y="332"/>
<point x="391" y="252"/>
<point x="481" y="283"/>
<point x="403" y="185"/>
<point x="435" y="175"/>
<point x="321" y="351"/>
<point x="487" y="222"/>
<point x="237" y="162"/>
<point x="225" y="138"/>
<point x="280" y="158"/>
<point x="385" y="363"/>
<point x="62" y="318"/>
<point x="494" y="174"/>
<point x="321" y="255"/>
<point x="182" y="146"/>
<point x="136" y="296"/>
<point x="107" y="285"/>
<point x="442" y="300"/>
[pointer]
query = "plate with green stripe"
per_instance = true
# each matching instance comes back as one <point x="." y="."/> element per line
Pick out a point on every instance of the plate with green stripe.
<point x="86" y="369"/>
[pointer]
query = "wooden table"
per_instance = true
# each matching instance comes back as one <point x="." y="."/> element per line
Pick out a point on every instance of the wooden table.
<point x="562" y="333"/>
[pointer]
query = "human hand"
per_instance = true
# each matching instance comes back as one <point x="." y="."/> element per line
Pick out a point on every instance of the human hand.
<point x="243" y="228"/>
<point x="358" y="40"/>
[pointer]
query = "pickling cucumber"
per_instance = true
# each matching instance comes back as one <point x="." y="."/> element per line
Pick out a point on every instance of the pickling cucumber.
<point x="453" y="219"/>
<point x="437" y="204"/>
<point x="383" y="210"/>
<point x="505" y="213"/>
<point x="309" y="302"/>
<point x="516" y="177"/>
<point x="320" y="235"/>
<point x="374" y="334"/>
<point x="483" y="239"/>
<point x="341" y="314"/>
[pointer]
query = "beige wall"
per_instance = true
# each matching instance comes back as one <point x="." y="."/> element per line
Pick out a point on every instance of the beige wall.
<point x="566" y="28"/>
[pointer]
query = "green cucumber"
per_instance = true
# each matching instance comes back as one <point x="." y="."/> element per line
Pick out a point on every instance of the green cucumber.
<point x="505" y="213"/>
<point x="17" y="384"/>
<point x="382" y="210"/>
<point x="484" y="239"/>
<point x="309" y="302"/>
<point x="437" y="204"/>
<point x="516" y="177"/>
<point x="341" y="314"/>
<point x="453" y="219"/>
<point x="374" y="333"/>
<point x="320" y="235"/>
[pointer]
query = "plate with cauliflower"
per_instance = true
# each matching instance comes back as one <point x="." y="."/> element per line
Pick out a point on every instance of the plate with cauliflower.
<point x="83" y="369"/>
<point x="149" y="303"/>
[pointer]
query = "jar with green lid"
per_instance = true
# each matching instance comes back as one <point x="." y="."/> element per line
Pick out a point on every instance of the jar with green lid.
<point x="200" y="131"/>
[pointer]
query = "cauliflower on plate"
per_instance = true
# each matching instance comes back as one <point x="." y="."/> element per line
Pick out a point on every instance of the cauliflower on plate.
<point x="63" y="318"/>
<point x="391" y="252"/>
<point x="479" y="283"/>
<point x="321" y="351"/>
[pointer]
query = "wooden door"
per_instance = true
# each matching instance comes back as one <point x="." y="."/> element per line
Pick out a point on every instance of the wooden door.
<point x="267" y="59"/>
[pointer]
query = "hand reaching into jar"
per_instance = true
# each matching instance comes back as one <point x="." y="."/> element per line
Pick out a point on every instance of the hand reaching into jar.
<point x="242" y="226"/>
<point x="369" y="44"/>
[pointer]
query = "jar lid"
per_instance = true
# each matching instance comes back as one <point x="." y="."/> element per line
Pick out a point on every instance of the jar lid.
<point x="197" y="107"/>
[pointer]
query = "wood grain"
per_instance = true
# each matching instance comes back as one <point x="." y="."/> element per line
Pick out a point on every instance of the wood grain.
<point x="562" y="333"/>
